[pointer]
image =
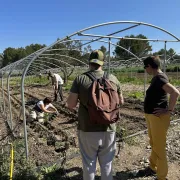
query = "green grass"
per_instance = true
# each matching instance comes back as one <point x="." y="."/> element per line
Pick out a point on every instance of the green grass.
<point x="68" y="85"/>
<point x="175" y="82"/>
<point x="36" y="80"/>
<point x="29" y="80"/>
<point x="136" y="95"/>
<point x="23" y="169"/>
<point x="122" y="132"/>
<point x="123" y="75"/>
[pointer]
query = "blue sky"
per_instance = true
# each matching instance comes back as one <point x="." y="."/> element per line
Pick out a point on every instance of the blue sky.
<point x="40" y="21"/>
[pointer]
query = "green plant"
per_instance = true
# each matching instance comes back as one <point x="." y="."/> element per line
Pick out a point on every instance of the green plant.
<point x="46" y="170"/>
<point x="29" y="80"/>
<point x="4" y="162"/>
<point x="136" y="95"/>
<point x="23" y="169"/>
<point x="68" y="86"/>
<point x="121" y="132"/>
<point x="131" y="141"/>
<point x="46" y="117"/>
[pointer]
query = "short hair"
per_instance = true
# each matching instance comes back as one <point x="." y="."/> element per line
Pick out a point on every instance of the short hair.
<point x="50" y="74"/>
<point x="47" y="100"/>
<point x="153" y="61"/>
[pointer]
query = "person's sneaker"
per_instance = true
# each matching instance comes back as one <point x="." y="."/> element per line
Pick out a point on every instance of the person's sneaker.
<point x="146" y="172"/>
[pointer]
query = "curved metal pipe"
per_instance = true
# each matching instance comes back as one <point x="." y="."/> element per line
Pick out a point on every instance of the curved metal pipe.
<point x="66" y="57"/>
<point x="127" y="22"/>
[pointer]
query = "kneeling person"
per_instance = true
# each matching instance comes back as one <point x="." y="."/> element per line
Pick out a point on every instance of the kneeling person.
<point x="41" y="107"/>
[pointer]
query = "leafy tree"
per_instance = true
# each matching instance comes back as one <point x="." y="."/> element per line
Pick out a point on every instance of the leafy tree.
<point x="160" y="52"/>
<point x="103" y="49"/>
<point x="86" y="52"/>
<point x="169" y="52"/>
<point x="87" y="49"/>
<point x="33" y="48"/>
<point x="11" y="55"/>
<point x="137" y="47"/>
<point x="20" y="53"/>
<point x="71" y="49"/>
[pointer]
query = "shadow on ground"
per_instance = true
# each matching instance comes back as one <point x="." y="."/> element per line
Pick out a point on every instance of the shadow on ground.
<point x="66" y="175"/>
<point x="74" y="173"/>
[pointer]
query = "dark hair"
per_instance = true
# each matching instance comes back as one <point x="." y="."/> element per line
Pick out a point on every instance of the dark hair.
<point x="153" y="61"/>
<point x="50" y="74"/>
<point x="47" y="100"/>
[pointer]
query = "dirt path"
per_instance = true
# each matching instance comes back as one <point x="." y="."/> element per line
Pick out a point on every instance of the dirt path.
<point x="49" y="143"/>
<point x="134" y="156"/>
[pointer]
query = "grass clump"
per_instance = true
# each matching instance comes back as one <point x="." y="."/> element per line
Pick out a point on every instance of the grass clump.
<point x="136" y="95"/>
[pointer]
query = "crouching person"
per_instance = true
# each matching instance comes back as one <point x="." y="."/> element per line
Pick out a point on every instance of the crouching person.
<point x="41" y="107"/>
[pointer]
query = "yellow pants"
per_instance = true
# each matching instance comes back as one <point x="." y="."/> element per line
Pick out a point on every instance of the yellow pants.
<point x="157" y="131"/>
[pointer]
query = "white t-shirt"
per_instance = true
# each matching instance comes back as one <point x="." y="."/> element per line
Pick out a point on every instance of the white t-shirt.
<point x="58" y="78"/>
<point x="46" y="107"/>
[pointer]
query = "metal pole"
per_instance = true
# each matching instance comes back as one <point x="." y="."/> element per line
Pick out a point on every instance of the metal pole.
<point x="164" y="69"/>
<point x="36" y="55"/>
<point x="109" y="57"/>
<point x="12" y="162"/>
<point x="3" y="100"/>
<point x="61" y="60"/>
<point x="9" y="100"/>
<point x="116" y="37"/>
<point x="112" y="33"/>
<point x="111" y="44"/>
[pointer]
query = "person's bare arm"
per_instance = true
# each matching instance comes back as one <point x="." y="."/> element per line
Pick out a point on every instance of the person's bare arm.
<point x="174" y="93"/>
<point x="121" y="98"/>
<point x="54" y="109"/>
<point x="72" y="101"/>
<point x="45" y="110"/>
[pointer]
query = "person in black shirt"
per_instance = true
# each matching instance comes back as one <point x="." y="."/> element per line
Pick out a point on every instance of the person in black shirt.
<point x="157" y="114"/>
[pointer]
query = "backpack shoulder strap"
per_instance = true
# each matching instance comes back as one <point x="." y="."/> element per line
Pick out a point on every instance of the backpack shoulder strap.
<point x="106" y="75"/>
<point x="90" y="75"/>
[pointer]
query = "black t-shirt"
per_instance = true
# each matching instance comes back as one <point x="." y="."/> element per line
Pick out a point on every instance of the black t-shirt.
<point x="37" y="108"/>
<point x="156" y="97"/>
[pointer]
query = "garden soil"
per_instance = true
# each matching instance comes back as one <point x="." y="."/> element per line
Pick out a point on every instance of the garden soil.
<point x="55" y="141"/>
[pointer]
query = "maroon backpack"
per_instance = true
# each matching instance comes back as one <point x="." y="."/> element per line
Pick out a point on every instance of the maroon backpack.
<point x="103" y="100"/>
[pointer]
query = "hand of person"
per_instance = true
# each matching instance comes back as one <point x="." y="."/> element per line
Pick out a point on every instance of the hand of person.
<point x="160" y="111"/>
<point x="57" y="113"/>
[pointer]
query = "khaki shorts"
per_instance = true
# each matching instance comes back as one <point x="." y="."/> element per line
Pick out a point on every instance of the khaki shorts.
<point x="36" y="115"/>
